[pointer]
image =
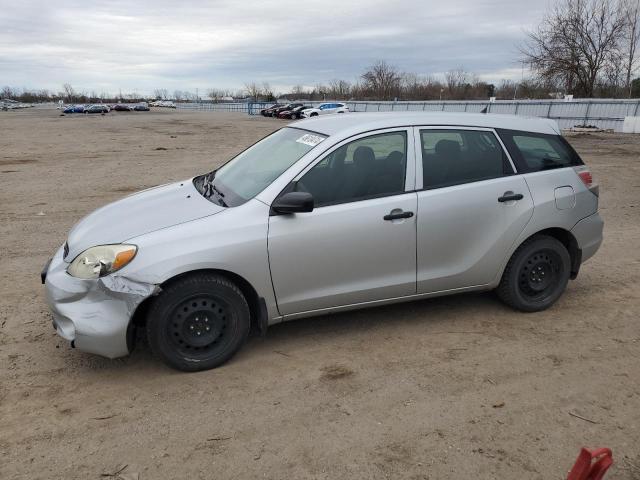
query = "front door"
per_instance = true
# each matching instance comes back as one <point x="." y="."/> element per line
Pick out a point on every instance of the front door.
<point x="359" y="243"/>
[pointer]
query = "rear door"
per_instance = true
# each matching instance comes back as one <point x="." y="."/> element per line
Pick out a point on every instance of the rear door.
<point x="472" y="206"/>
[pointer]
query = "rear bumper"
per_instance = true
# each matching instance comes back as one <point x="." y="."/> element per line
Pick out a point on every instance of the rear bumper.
<point x="93" y="314"/>
<point x="588" y="234"/>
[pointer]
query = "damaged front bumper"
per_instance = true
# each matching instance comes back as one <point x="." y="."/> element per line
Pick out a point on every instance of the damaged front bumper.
<point x="93" y="315"/>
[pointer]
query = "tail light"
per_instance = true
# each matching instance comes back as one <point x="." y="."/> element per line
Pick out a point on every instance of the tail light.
<point x="585" y="175"/>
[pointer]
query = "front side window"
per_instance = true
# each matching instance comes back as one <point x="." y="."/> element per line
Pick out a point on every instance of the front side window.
<point x="535" y="152"/>
<point x="369" y="167"/>
<point x="453" y="157"/>
<point x="257" y="167"/>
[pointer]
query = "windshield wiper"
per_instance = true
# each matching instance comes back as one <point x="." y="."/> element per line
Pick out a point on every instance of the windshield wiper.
<point x="222" y="202"/>
<point x="208" y="189"/>
<point x="215" y="189"/>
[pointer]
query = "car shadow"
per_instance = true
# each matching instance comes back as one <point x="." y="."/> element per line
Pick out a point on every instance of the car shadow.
<point x="321" y="330"/>
<point x="432" y="310"/>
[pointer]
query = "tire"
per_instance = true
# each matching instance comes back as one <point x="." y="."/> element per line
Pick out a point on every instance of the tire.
<point x="536" y="275"/>
<point x="198" y="323"/>
<point x="314" y="114"/>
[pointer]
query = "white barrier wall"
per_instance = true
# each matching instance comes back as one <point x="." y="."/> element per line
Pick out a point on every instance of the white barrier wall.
<point x="631" y="125"/>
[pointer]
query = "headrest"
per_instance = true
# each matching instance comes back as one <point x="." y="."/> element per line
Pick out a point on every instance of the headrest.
<point x="448" y="147"/>
<point x="363" y="156"/>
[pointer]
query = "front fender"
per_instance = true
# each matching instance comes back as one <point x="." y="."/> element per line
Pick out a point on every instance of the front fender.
<point x="234" y="240"/>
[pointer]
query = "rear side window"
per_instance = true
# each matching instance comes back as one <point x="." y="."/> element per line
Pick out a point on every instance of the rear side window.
<point x="453" y="157"/>
<point x="534" y="152"/>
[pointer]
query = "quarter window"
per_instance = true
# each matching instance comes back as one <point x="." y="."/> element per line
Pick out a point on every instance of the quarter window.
<point x="534" y="152"/>
<point x="365" y="168"/>
<point x="453" y="157"/>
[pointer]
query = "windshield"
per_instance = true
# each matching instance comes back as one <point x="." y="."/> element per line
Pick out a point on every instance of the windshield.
<point x="257" y="167"/>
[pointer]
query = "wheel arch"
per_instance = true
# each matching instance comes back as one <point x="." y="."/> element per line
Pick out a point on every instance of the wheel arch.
<point x="563" y="236"/>
<point x="257" y="304"/>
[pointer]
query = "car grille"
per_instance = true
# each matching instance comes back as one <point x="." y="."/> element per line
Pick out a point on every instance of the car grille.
<point x="65" y="250"/>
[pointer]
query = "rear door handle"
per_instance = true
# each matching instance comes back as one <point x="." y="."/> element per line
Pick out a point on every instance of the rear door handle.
<point x="396" y="216"/>
<point x="508" y="196"/>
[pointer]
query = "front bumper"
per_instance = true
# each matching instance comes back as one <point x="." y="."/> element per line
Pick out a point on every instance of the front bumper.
<point x="93" y="314"/>
<point x="588" y="234"/>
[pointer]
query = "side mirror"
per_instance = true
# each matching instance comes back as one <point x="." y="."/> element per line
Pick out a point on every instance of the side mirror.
<point x="293" y="202"/>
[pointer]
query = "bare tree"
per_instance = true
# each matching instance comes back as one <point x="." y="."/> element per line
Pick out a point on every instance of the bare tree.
<point x="267" y="92"/>
<point x="7" y="92"/>
<point x="69" y="92"/>
<point x="298" y="91"/>
<point x="575" y="42"/>
<point x="631" y="39"/>
<point x="319" y="92"/>
<point x="339" y="89"/>
<point x="161" y="93"/>
<point x="383" y="80"/>
<point x="455" y="79"/>
<point x="253" y="90"/>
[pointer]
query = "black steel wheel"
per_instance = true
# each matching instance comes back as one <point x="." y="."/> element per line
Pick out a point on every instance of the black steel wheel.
<point x="536" y="275"/>
<point x="198" y="322"/>
<point x="539" y="274"/>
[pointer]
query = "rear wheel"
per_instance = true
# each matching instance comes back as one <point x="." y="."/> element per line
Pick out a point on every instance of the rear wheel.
<point x="536" y="275"/>
<point x="314" y="114"/>
<point x="199" y="322"/>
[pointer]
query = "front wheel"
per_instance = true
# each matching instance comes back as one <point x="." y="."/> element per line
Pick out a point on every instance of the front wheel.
<point x="536" y="275"/>
<point x="198" y="322"/>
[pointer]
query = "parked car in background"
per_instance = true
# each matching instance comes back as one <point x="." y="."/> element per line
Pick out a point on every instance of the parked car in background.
<point x="285" y="108"/>
<point x="79" y="108"/>
<point x="295" y="113"/>
<point x="69" y="109"/>
<point x="9" y="104"/>
<point x="141" y="108"/>
<point x="268" y="112"/>
<point x="121" y="107"/>
<point x="402" y="206"/>
<point x="97" y="109"/>
<point x="326" y="108"/>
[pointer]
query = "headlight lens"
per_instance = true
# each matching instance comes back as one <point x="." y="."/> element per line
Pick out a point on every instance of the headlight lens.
<point x="102" y="260"/>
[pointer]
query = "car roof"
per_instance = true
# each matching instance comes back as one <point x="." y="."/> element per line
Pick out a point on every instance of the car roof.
<point x="353" y="123"/>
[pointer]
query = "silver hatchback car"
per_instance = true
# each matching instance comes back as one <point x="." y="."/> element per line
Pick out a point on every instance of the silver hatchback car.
<point x="324" y="215"/>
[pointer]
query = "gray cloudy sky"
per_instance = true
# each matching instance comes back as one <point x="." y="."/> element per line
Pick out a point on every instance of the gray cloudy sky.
<point x="142" y="45"/>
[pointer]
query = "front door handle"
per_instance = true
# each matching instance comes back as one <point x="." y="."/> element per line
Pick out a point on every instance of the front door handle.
<point x="396" y="216"/>
<point x="509" y="196"/>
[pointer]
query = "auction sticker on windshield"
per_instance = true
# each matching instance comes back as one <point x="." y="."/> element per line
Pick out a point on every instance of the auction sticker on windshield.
<point x="310" y="139"/>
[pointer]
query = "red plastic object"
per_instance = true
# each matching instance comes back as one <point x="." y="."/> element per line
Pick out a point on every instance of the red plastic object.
<point x="591" y="464"/>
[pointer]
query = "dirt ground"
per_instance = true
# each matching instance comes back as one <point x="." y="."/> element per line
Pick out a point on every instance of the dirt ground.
<point x="451" y="388"/>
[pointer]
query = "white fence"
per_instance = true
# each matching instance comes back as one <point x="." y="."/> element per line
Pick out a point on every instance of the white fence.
<point x="603" y="113"/>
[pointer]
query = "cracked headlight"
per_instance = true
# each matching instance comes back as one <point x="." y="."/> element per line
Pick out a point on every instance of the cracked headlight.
<point x="102" y="260"/>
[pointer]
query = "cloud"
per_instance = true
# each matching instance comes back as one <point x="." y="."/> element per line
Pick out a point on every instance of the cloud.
<point x="142" y="45"/>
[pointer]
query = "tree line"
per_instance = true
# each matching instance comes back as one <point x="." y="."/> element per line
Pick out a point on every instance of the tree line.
<point x="586" y="48"/>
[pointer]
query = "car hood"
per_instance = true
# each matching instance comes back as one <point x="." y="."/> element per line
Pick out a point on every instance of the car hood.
<point x="140" y="213"/>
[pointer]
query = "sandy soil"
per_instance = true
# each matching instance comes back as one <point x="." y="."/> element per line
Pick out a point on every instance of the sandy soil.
<point x="451" y="388"/>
